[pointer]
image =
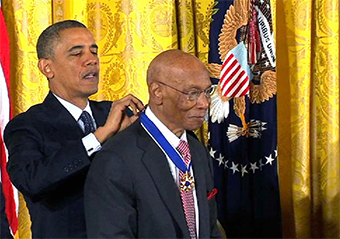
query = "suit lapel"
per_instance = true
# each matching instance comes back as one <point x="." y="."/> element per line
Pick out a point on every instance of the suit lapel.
<point x="60" y="118"/>
<point x="201" y="193"/>
<point x="63" y="120"/>
<point x="157" y="165"/>
<point x="99" y="113"/>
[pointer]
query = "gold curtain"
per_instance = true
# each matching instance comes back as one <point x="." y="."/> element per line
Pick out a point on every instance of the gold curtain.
<point x="308" y="116"/>
<point x="130" y="33"/>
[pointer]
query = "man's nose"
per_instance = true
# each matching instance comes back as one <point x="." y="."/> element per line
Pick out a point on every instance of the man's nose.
<point x="91" y="59"/>
<point x="203" y="101"/>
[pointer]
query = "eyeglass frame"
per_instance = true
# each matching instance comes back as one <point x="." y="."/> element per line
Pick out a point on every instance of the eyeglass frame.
<point x="193" y="93"/>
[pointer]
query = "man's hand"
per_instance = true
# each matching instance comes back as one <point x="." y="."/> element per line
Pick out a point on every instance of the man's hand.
<point x="117" y="119"/>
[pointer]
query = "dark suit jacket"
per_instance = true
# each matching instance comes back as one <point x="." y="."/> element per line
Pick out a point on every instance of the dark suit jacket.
<point x="130" y="191"/>
<point x="48" y="164"/>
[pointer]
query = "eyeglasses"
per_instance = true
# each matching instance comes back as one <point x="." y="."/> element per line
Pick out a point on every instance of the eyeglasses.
<point x="194" y="94"/>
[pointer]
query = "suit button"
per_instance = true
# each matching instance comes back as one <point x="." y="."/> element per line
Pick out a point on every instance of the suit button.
<point x="70" y="166"/>
<point x="80" y="162"/>
<point x="66" y="170"/>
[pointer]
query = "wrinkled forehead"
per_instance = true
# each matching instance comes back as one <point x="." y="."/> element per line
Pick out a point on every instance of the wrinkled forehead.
<point x="76" y="34"/>
<point x="191" y="75"/>
<point x="72" y="37"/>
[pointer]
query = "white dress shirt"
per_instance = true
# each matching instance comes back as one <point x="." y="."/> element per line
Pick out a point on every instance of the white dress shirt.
<point x="174" y="142"/>
<point x="90" y="141"/>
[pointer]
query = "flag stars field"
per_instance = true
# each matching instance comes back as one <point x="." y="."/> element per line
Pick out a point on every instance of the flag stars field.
<point x="251" y="166"/>
<point x="212" y="152"/>
<point x="270" y="160"/>
<point x="226" y="164"/>
<point x="243" y="169"/>
<point x="220" y="159"/>
<point x="234" y="167"/>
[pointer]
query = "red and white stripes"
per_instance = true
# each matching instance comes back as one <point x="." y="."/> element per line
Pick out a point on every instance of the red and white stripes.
<point x="187" y="197"/>
<point x="10" y="193"/>
<point x="234" y="79"/>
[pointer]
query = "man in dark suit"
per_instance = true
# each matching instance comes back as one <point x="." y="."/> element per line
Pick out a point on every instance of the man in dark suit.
<point x="52" y="144"/>
<point x="146" y="182"/>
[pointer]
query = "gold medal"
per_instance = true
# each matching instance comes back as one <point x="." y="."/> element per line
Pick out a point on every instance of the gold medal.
<point x="187" y="182"/>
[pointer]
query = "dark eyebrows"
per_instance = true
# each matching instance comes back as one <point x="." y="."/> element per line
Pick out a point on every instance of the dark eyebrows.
<point x="95" y="46"/>
<point x="77" y="47"/>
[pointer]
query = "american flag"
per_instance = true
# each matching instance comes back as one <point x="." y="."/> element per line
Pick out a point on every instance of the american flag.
<point x="242" y="130"/>
<point x="234" y="78"/>
<point x="10" y="193"/>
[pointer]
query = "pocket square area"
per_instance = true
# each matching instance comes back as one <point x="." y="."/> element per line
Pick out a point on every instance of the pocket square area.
<point x="212" y="193"/>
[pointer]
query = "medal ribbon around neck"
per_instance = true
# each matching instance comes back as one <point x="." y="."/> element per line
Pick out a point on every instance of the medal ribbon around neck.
<point x="173" y="154"/>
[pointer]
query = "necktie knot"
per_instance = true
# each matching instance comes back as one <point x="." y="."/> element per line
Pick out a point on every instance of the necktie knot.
<point x="183" y="148"/>
<point x="87" y="120"/>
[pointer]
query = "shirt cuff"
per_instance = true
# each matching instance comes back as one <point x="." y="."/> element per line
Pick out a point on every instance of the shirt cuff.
<point x="91" y="144"/>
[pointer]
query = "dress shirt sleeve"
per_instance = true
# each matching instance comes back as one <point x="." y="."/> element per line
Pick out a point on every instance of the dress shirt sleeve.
<point x="91" y="144"/>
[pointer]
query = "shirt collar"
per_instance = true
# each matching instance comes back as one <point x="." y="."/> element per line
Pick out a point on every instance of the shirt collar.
<point x="168" y="134"/>
<point x="74" y="110"/>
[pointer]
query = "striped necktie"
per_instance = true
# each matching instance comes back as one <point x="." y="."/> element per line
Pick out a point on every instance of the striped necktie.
<point x="187" y="196"/>
<point x="88" y="122"/>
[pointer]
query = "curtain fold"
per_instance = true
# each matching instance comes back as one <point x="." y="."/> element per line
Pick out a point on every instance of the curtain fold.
<point x="130" y="33"/>
<point x="325" y="120"/>
<point x="308" y="117"/>
<point x="25" y="23"/>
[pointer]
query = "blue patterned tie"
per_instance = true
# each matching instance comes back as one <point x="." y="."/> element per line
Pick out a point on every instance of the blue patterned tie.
<point x="88" y="122"/>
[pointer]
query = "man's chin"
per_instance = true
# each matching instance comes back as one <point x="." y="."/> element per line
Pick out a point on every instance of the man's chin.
<point x="195" y="125"/>
<point x="92" y="92"/>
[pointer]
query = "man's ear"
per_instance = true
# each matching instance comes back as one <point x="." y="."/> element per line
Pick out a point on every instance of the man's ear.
<point x="156" y="93"/>
<point x="45" y="68"/>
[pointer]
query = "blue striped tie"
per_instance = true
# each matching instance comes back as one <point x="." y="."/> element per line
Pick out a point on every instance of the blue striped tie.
<point x="88" y="122"/>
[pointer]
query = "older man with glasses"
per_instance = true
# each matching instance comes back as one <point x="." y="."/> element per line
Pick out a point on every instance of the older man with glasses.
<point x="154" y="180"/>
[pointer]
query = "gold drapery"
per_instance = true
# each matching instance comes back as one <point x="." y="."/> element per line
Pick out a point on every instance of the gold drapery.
<point x="130" y="33"/>
<point x="308" y="116"/>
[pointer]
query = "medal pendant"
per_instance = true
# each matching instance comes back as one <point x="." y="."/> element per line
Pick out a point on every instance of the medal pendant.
<point x="187" y="182"/>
